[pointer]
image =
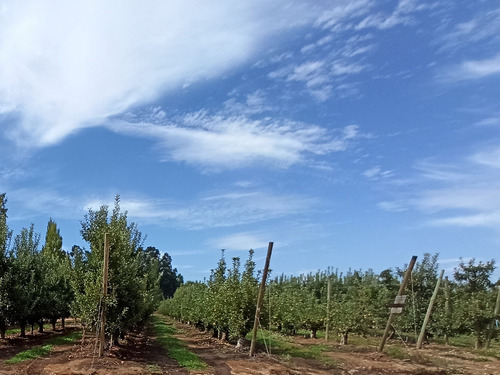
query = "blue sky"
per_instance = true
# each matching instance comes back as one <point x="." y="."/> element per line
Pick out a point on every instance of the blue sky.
<point x="351" y="133"/>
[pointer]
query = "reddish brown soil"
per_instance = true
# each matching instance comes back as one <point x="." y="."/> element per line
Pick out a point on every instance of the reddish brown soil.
<point x="140" y="354"/>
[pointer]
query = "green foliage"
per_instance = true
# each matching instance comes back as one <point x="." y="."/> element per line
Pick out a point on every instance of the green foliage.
<point x="57" y="291"/>
<point x="170" y="280"/>
<point x="5" y="268"/>
<point x="133" y="291"/>
<point x="226" y="303"/>
<point x="419" y="291"/>
<point x="27" y="277"/>
<point x="475" y="287"/>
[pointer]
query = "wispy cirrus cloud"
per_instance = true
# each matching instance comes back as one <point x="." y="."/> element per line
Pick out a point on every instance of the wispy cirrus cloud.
<point x="63" y="70"/>
<point x="220" y="141"/>
<point x="482" y="26"/>
<point x="214" y="211"/>
<point x="240" y="241"/>
<point x="474" y="69"/>
<point x="347" y="36"/>
<point x="466" y="194"/>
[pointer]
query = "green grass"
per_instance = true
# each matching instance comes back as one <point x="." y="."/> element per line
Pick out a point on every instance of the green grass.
<point x="66" y="339"/>
<point x="154" y="369"/>
<point x="284" y="346"/>
<point x="42" y="351"/>
<point x="39" y="351"/>
<point x="176" y="349"/>
<point x="12" y="331"/>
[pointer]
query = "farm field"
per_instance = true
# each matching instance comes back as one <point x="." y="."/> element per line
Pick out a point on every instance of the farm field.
<point x="142" y="353"/>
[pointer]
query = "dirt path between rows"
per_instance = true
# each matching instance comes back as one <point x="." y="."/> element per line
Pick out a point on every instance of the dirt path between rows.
<point x="141" y="354"/>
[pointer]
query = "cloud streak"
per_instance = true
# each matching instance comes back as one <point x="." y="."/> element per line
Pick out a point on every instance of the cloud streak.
<point x="217" y="211"/>
<point x="217" y="142"/>
<point x="466" y="194"/>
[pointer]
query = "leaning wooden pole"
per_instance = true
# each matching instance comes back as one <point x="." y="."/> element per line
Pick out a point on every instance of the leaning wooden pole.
<point x="104" y="294"/>
<point x="260" y="299"/>
<point x="401" y="290"/>
<point x="429" y="312"/>
<point x="492" y="324"/>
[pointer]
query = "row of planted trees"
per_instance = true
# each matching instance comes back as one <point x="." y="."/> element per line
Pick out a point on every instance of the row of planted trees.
<point x="224" y="304"/>
<point x="47" y="284"/>
<point x="359" y="301"/>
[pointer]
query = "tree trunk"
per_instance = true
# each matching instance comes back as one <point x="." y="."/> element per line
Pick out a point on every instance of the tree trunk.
<point x="479" y="342"/>
<point x="23" y="329"/>
<point x="344" y="337"/>
<point x="83" y="333"/>
<point x="32" y="327"/>
<point x="53" y="322"/>
<point x="215" y="333"/>
<point x="40" y="326"/>
<point x="3" y="328"/>
<point x="63" y="321"/>
<point x="223" y="336"/>
<point x="314" y="333"/>
<point x="241" y="342"/>
<point x="114" y="340"/>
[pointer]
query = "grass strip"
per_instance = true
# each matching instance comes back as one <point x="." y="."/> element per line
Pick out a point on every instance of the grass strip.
<point x="283" y="346"/>
<point x="176" y="349"/>
<point x="42" y="351"/>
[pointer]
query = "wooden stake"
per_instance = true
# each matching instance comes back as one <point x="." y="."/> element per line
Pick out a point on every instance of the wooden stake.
<point x="260" y="298"/>
<point x="104" y="293"/>
<point x="492" y="324"/>
<point x="429" y="312"/>
<point x="328" y="303"/>
<point x="402" y="288"/>
<point x="447" y="308"/>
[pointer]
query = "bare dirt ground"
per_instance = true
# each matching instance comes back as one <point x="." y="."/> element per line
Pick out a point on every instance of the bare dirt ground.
<point x="140" y="354"/>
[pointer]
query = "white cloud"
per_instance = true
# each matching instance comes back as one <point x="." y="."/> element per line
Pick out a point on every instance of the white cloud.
<point x="489" y="121"/>
<point x="242" y="241"/>
<point x="218" y="142"/>
<point x="463" y="194"/>
<point x="469" y="193"/>
<point x="441" y="171"/>
<point x="393" y="206"/>
<point x="400" y="15"/>
<point x="69" y="65"/>
<point x="475" y="69"/>
<point x="376" y="173"/>
<point x="34" y="202"/>
<point x="479" y="220"/>
<point x="490" y="158"/>
<point x="253" y="103"/>
<point x="223" y="210"/>
<point x="342" y="12"/>
<point x="483" y="26"/>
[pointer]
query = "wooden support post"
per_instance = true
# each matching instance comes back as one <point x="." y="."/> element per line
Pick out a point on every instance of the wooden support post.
<point x="447" y="308"/>
<point x="104" y="294"/>
<point x="492" y="324"/>
<point x="328" y="307"/>
<point x="429" y="312"/>
<point x="401" y="290"/>
<point x="260" y="299"/>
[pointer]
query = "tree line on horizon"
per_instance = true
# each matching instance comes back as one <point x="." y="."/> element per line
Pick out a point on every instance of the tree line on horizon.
<point x="359" y="301"/>
<point x="44" y="284"/>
